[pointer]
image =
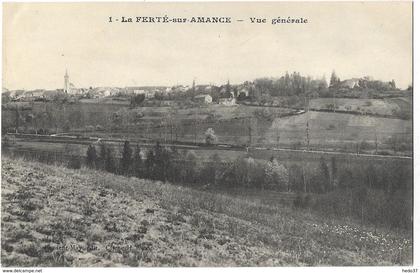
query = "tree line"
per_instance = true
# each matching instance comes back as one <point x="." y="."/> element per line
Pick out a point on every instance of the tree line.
<point x="374" y="192"/>
<point x="184" y="167"/>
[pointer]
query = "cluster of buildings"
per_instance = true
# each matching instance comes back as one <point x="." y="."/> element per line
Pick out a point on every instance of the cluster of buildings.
<point x="363" y="83"/>
<point x="226" y="94"/>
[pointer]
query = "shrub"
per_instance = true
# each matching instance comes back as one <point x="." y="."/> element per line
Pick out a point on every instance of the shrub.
<point x="91" y="156"/>
<point x="5" y="142"/>
<point x="109" y="161"/>
<point x="302" y="200"/>
<point x="137" y="100"/>
<point x="126" y="158"/>
<point x="89" y="128"/>
<point x="364" y="145"/>
<point x="276" y="176"/>
<point x="74" y="163"/>
<point x="210" y="136"/>
<point x="331" y="127"/>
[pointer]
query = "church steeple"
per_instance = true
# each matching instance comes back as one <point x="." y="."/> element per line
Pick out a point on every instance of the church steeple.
<point x="66" y="82"/>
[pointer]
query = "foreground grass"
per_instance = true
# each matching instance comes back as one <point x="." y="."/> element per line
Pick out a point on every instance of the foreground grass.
<point x="53" y="216"/>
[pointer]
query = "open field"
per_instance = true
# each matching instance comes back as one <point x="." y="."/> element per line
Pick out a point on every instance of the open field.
<point x="61" y="149"/>
<point x="333" y="131"/>
<point x="373" y="106"/>
<point x="113" y="220"/>
<point x="337" y="129"/>
<point x="240" y="125"/>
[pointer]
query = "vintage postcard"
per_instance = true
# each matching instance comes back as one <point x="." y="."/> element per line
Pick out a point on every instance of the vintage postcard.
<point x="224" y="134"/>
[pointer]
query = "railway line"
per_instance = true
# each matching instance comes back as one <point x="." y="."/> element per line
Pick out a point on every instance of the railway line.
<point x="144" y="142"/>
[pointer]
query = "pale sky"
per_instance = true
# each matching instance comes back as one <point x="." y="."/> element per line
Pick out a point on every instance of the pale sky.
<point x="41" y="40"/>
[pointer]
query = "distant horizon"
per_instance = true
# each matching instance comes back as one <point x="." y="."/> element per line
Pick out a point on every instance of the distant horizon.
<point x="327" y="77"/>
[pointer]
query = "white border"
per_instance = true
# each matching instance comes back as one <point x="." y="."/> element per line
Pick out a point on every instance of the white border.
<point x="416" y="218"/>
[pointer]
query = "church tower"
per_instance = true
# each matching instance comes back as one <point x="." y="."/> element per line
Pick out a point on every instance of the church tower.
<point x="66" y="83"/>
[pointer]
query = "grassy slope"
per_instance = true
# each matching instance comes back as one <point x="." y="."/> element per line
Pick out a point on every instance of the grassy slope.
<point x="56" y="216"/>
<point x="375" y="106"/>
<point x="337" y="128"/>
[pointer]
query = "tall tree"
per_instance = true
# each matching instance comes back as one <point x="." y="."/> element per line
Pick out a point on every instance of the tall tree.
<point x="102" y="155"/>
<point x="210" y="136"/>
<point x="137" y="163"/>
<point x="325" y="175"/>
<point x="126" y="159"/>
<point x="109" y="161"/>
<point x="334" y="170"/>
<point x="334" y="79"/>
<point x="228" y="87"/>
<point x="150" y="164"/>
<point x="91" y="156"/>
<point x="393" y="85"/>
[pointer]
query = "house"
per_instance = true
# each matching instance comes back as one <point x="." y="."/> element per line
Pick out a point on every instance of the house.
<point x="350" y="83"/>
<point x="39" y="93"/>
<point x="227" y="101"/>
<point x="17" y="93"/>
<point x="207" y="99"/>
<point x="208" y="88"/>
<point x="105" y="91"/>
<point x="150" y="94"/>
<point x="244" y="91"/>
<point x="224" y="90"/>
<point x="138" y="91"/>
<point x="166" y="103"/>
<point x="185" y="88"/>
<point x="50" y="94"/>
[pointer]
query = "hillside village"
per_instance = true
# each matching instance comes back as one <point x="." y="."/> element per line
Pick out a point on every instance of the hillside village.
<point x="264" y="91"/>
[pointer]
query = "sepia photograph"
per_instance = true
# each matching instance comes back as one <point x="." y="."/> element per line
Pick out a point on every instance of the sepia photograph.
<point x="207" y="134"/>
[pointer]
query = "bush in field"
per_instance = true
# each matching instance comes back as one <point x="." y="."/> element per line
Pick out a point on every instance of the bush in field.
<point x="302" y="200"/>
<point x="158" y="163"/>
<point x="276" y="176"/>
<point x="183" y="167"/>
<point x="162" y="162"/>
<point x="102" y="156"/>
<point x="91" y="156"/>
<point x="399" y="215"/>
<point x="324" y="173"/>
<point x="364" y="145"/>
<point x="296" y="178"/>
<point x="191" y="166"/>
<point x="346" y="178"/>
<point x="137" y="165"/>
<point x="370" y="206"/>
<point x="242" y="169"/>
<point x="66" y="127"/>
<point x="211" y="172"/>
<point x="210" y="136"/>
<point x="245" y="172"/>
<point x="174" y="170"/>
<point x="150" y="164"/>
<point x="109" y="161"/>
<point x="5" y="142"/>
<point x="74" y="163"/>
<point x="89" y="128"/>
<point x="137" y="100"/>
